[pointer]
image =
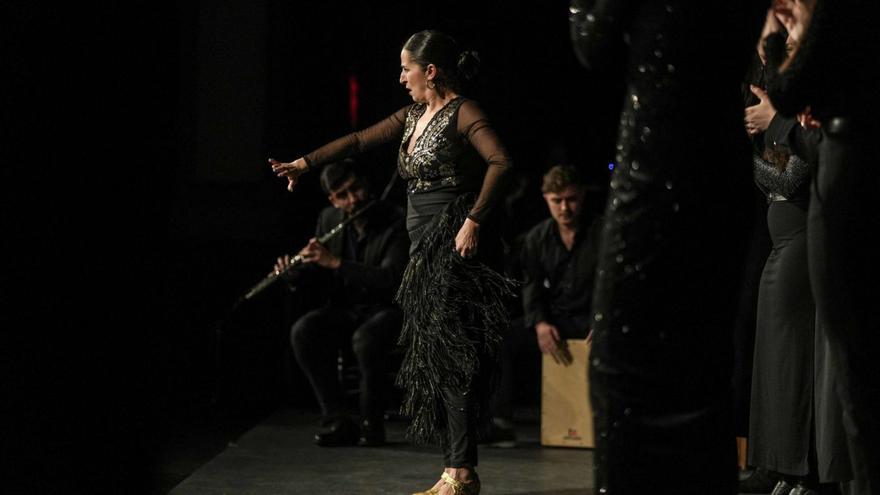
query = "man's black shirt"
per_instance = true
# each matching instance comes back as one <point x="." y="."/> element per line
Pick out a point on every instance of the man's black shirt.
<point x="558" y="282"/>
<point x="371" y="266"/>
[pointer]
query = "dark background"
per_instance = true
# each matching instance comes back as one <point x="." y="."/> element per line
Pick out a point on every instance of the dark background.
<point x="139" y="206"/>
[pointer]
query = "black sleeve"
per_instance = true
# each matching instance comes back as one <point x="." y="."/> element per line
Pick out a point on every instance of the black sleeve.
<point x="387" y="130"/>
<point x="779" y="131"/>
<point x="387" y="274"/>
<point x="786" y="132"/>
<point x="477" y="130"/>
<point x="534" y="306"/>
<point x="805" y="144"/>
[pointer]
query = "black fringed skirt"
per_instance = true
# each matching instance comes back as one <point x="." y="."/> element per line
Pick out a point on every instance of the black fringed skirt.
<point x="455" y="316"/>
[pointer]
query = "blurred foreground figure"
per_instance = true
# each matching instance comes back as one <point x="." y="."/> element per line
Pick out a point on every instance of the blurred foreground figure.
<point x="672" y="245"/>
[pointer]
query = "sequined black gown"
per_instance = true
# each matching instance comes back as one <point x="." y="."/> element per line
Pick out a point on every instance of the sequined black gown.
<point x="454" y="309"/>
<point x="672" y="245"/>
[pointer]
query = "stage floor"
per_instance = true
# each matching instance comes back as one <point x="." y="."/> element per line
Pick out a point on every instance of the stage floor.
<point x="277" y="457"/>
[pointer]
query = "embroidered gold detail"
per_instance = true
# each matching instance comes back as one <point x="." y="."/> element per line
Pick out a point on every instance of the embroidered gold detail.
<point x="433" y="161"/>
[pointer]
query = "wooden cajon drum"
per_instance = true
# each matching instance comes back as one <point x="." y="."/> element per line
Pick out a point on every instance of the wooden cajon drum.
<point x="566" y="414"/>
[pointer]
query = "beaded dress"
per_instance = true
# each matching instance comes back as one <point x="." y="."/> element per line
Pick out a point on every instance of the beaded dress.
<point x="454" y="309"/>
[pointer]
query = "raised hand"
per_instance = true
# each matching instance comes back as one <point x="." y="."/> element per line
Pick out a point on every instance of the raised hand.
<point x="795" y="15"/>
<point x="292" y="170"/>
<point x="771" y="25"/>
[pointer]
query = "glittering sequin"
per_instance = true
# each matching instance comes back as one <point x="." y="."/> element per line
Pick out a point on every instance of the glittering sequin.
<point x="433" y="160"/>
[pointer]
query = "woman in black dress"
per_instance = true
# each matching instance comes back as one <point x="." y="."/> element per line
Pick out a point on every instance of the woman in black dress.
<point x="452" y="295"/>
<point x="781" y="412"/>
<point x="828" y="80"/>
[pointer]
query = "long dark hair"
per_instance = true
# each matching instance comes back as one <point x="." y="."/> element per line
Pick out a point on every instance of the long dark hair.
<point x="456" y="67"/>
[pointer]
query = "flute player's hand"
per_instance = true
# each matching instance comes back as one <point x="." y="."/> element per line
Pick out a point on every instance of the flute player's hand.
<point x="282" y="263"/>
<point x="317" y="253"/>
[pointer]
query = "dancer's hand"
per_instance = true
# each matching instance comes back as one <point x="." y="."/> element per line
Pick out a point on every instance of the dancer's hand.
<point x="292" y="170"/>
<point x="467" y="238"/>
<point x="795" y="15"/>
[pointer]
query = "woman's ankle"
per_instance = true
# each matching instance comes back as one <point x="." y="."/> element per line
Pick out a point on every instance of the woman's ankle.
<point x="464" y="474"/>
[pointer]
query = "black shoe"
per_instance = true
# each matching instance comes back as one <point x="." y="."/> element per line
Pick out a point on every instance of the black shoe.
<point x="757" y="480"/>
<point x="782" y="488"/>
<point x="341" y="432"/>
<point x="802" y="489"/>
<point x="500" y="435"/>
<point x="372" y="433"/>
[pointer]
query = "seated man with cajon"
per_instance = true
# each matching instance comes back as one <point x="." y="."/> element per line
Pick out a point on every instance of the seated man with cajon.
<point x="558" y="260"/>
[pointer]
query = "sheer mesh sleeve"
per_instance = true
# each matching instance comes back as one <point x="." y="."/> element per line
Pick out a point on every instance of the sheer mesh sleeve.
<point x="475" y="127"/>
<point x="786" y="182"/>
<point x="387" y="130"/>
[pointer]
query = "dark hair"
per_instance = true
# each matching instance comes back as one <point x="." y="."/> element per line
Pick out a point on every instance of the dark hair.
<point x="455" y="67"/>
<point x="560" y="177"/>
<point x="333" y="175"/>
<point x="755" y="76"/>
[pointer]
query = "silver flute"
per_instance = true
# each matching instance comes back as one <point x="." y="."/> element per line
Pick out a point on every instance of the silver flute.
<point x="297" y="260"/>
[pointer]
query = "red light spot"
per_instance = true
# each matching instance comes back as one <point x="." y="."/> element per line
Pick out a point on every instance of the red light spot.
<point x="353" y="100"/>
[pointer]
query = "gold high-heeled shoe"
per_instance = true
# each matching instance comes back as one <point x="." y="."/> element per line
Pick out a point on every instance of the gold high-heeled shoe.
<point x="461" y="488"/>
<point x="429" y="491"/>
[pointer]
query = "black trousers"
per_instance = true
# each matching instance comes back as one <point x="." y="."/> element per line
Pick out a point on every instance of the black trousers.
<point x="845" y="278"/>
<point x="319" y="334"/>
<point x="458" y="440"/>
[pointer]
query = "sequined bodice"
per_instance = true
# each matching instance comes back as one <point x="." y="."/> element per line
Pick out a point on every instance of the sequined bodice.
<point x="435" y="161"/>
<point x="458" y="152"/>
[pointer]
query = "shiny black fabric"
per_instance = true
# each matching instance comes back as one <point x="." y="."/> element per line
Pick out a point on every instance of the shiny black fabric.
<point x="787" y="183"/>
<point x="672" y="249"/>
